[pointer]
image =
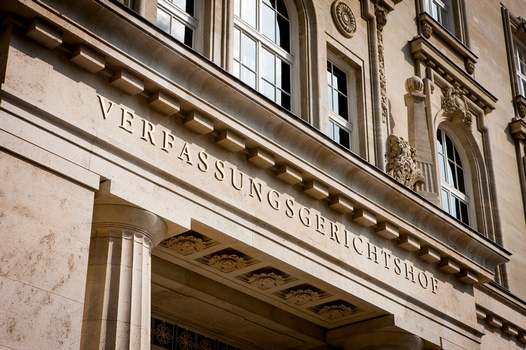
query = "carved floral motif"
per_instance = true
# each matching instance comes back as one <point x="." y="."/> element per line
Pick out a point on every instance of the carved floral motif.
<point x="227" y="263"/>
<point x="333" y="312"/>
<point x="266" y="280"/>
<point x="162" y="334"/>
<point x="343" y="18"/>
<point x="381" y="21"/>
<point x="184" y="245"/>
<point x="302" y="296"/>
<point x="402" y="163"/>
<point x="455" y="105"/>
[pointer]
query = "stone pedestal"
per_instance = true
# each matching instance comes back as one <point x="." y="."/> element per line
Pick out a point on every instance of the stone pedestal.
<point x="387" y="340"/>
<point x="117" y="306"/>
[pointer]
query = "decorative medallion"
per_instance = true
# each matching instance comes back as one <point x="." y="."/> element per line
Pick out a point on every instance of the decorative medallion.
<point x="334" y="312"/>
<point x="427" y="30"/>
<point x="343" y="18"/>
<point x="266" y="280"/>
<point x="300" y="296"/>
<point x="227" y="263"/>
<point x="184" y="245"/>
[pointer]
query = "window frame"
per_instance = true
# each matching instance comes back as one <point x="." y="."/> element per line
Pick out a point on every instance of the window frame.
<point x="193" y="22"/>
<point x="262" y="42"/>
<point x="520" y="49"/>
<point x="350" y="124"/>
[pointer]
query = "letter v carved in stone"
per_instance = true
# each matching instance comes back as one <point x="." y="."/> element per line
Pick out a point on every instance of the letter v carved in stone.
<point x="103" y="103"/>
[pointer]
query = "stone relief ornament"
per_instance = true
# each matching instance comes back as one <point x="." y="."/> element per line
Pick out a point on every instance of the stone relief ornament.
<point x="266" y="280"/>
<point x="184" y="245"/>
<point x="470" y="66"/>
<point x="343" y="18"/>
<point x="302" y="296"/>
<point x="427" y="30"/>
<point x="414" y="85"/>
<point x="334" y="312"/>
<point x="162" y="334"/>
<point x="402" y="163"/>
<point x="227" y="263"/>
<point x="381" y="21"/>
<point x="455" y="105"/>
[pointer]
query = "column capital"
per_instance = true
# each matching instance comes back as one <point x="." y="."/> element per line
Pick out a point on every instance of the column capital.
<point x="137" y="220"/>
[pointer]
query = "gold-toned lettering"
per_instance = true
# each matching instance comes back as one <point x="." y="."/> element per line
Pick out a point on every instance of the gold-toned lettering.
<point x="274" y="201"/>
<point x="127" y="120"/>
<point x="220" y="173"/>
<point x="304" y="217"/>
<point x="103" y="102"/>
<point x="203" y="161"/>
<point x="147" y="130"/>
<point x="185" y="153"/>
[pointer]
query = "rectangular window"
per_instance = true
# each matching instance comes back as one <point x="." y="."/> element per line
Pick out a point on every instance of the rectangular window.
<point x="442" y="12"/>
<point x="520" y="57"/>
<point x="338" y="102"/>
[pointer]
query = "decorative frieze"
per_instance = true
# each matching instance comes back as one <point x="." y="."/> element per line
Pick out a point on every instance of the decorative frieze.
<point x="402" y="163"/>
<point x="227" y="262"/>
<point x="335" y="312"/>
<point x="302" y="296"/>
<point x="184" y="245"/>
<point x="265" y="280"/>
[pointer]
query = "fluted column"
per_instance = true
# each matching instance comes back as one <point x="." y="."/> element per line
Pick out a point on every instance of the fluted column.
<point x="384" y="340"/>
<point x="117" y="303"/>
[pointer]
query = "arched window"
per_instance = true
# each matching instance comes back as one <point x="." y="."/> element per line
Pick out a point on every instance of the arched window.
<point x="452" y="177"/>
<point x="262" y="48"/>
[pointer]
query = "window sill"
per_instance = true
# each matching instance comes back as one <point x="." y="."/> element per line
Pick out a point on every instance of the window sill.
<point x="430" y="27"/>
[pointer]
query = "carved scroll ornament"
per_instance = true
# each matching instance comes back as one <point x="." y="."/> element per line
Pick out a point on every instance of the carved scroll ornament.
<point x="455" y="106"/>
<point x="402" y="163"/>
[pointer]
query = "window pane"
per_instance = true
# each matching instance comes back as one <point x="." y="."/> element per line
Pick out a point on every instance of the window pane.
<point x="449" y="148"/>
<point x="441" y="167"/>
<point x="464" y="213"/>
<point x="344" y="137"/>
<point x="163" y="20"/>
<point x="331" y="129"/>
<point x="461" y="184"/>
<point x="340" y="80"/>
<point x="248" y="12"/>
<point x="178" y="30"/>
<point x="284" y="99"/>
<point x="451" y="174"/>
<point x="248" y="52"/>
<point x="248" y="77"/>
<point x="283" y="36"/>
<point x="188" y="37"/>
<point x="237" y="44"/>
<point x="268" y="71"/>
<point x="445" y="200"/>
<point x="185" y="5"/>
<point x="268" y="22"/>
<point x="284" y="76"/>
<point x="268" y="90"/>
<point x="237" y="8"/>
<point x="343" y="106"/>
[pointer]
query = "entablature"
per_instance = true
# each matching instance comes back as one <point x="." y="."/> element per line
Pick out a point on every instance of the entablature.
<point x="423" y="50"/>
<point x="181" y="84"/>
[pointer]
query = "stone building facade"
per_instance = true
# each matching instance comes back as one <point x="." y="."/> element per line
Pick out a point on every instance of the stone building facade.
<point x="263" y="174"/>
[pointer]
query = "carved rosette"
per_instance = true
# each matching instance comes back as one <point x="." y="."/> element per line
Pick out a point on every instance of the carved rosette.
<point x="455" y="105"/>
<point x="266" y="280"/>
<point x="227" y="263"/>
<point x="427" y="30"/>
<point x="402" y="163"/>
<point x="302" y="296"/>
<point x="343" y="18"/>
<point x="334" y="312"/>
<point x="184" y="245"/>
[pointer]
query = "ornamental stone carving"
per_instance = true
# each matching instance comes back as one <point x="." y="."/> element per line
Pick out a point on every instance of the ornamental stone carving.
<point x="302" y="296"/>
<point x="470" y="66"/>
<point x="402" y="163"/>
<point x="427" y="30"/>
<point x="334" y="312"/>
<point x="455" y="106"/>
<point x="184" y="245"/>
<point x="227" y="263"/>
<point x="414" y="85"/>
<point x="343" y="18"/>
<point x="266" y="280"/>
